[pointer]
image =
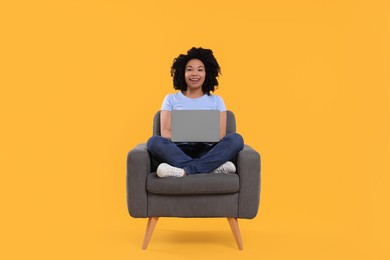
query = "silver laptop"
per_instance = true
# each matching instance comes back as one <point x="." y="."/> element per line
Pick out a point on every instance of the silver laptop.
<point x="195" y="125"/>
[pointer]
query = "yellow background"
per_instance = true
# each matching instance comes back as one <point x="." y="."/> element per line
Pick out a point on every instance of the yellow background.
<point x="309" y="82"/>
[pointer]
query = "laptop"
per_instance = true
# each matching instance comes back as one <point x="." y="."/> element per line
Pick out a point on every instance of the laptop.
<point x="195" y="125"/>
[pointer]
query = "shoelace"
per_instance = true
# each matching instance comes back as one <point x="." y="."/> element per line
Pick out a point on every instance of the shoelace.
<point x="220" y="169"/>
<point x="173" y="170"/>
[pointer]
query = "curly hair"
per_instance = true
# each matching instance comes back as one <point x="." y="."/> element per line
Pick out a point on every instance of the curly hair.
<point x="211" y="66"/>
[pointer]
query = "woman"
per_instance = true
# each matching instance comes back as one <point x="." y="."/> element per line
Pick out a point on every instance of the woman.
<point x="195" y="76"/>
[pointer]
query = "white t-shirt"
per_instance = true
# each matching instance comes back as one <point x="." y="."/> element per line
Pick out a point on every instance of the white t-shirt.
<point x="178" y="101"/>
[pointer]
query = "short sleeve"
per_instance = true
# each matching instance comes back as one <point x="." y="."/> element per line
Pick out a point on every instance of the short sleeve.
<point x="167" y="103"/>
<point x="220" y="104"/>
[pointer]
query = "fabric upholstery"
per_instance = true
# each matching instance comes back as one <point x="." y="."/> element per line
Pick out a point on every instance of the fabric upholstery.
<point x="208" y="183"/>
<point x="138" y="169"/>
<point x="248" y="169"/>
<point x="217" y="205"/>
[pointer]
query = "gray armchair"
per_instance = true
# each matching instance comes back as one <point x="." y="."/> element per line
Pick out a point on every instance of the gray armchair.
<point x="210" y="195"/>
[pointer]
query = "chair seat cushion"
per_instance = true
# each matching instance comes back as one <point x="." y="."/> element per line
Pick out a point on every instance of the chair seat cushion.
<point x="204" y="183"/>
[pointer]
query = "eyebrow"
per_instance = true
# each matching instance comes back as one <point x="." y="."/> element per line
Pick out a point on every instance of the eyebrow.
<point x="198" y="66"/>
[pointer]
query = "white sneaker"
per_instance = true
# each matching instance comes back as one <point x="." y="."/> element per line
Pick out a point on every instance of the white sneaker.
<point x="166" y="170"/>
<point x="227" y="167"/>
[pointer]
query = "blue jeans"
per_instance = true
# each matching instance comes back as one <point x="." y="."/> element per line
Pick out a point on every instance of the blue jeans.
<point x="195" y="158"/>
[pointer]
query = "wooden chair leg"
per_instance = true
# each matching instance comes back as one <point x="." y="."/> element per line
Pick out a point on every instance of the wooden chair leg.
<point x="149" y="231"/>
<point x="233" y="222"/>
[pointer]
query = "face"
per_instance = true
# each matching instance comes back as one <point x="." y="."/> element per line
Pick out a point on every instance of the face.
<point x="195" y="74"/>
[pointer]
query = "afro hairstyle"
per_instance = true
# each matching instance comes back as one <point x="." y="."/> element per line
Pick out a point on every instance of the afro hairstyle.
<point x="211" y="66"/>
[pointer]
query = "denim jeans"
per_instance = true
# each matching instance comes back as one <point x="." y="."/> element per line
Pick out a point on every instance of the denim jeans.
<point x="195" y="158"/>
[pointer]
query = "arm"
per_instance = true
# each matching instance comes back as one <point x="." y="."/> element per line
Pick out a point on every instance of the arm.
<point x="222" y="125"/>
<point x="165" y="124"/>
<point x="248" y="169"/>
<point x="138" y="168"/>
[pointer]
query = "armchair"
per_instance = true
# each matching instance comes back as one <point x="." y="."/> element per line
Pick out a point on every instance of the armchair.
<point x="210" y="195"/>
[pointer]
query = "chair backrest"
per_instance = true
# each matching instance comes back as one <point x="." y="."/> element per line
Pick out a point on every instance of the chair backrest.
<point x="230" y="123"/>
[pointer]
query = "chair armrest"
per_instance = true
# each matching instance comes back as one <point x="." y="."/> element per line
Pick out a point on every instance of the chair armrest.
<point x="248" y="169"/>
<point x="138" y="168"/>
